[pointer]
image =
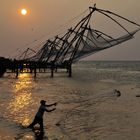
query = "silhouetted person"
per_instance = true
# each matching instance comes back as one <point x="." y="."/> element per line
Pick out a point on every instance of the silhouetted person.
<point x="39" y="115"/>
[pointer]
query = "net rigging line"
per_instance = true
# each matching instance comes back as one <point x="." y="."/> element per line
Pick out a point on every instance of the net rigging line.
<point x="104" y="12"/>
<point x="119" y="16"/>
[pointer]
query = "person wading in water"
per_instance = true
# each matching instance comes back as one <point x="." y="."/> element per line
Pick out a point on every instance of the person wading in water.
<point x="39" y="115"/>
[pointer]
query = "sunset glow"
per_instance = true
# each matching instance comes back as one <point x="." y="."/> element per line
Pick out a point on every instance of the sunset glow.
<point x="24" y="12"/>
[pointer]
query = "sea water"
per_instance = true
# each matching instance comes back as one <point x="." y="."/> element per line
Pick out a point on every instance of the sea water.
<point x="87" y="108"/>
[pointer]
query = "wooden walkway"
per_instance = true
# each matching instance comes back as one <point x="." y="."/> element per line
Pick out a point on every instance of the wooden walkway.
<point x="20" y="66"/>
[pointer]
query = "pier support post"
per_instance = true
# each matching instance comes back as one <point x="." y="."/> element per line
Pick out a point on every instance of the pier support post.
<point x="52" y="69"/>
<point x="31" y="70"/>
<point x="35" y="73"/>
<point x="17" y="73"/>
<point x="70" y="70"/>
<point x="52" y="72"/>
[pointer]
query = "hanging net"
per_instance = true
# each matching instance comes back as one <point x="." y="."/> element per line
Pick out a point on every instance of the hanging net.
<point x="81" y="41"/>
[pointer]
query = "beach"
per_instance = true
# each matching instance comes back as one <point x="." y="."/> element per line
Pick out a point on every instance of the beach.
<point x="88" y="107"/>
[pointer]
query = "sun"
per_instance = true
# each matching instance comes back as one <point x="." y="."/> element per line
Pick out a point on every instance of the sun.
<point x="24" y="12"/>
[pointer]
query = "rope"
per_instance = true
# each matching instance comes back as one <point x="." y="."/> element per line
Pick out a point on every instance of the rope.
<point x="119" y="16"/>
<point x="114" y="21"/>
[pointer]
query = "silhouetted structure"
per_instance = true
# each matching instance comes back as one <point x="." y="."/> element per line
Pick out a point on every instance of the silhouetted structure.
<point x="78" y="42"/>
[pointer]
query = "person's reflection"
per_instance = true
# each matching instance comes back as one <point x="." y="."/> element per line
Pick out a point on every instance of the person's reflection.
<point x="40" y="136"/>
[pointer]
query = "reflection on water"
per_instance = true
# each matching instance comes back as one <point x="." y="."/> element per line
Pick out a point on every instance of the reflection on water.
<point x="23" y="83"/>
<point x="19" y="104"/>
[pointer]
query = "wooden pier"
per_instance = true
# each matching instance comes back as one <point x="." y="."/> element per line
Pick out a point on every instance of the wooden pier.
<point x="20" y="66"/>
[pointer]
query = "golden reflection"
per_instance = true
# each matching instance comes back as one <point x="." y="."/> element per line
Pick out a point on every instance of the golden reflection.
<point x="19" y="106"/>
<point x="19" y="102"/>
<point x="28" y="136"/>
<point x="25" y="122"/>
<point x="23" y="83"/>
<point x="23" y="75"/>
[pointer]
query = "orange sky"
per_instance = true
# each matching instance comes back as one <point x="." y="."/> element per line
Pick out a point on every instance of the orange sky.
<point x="19" y="32"/>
